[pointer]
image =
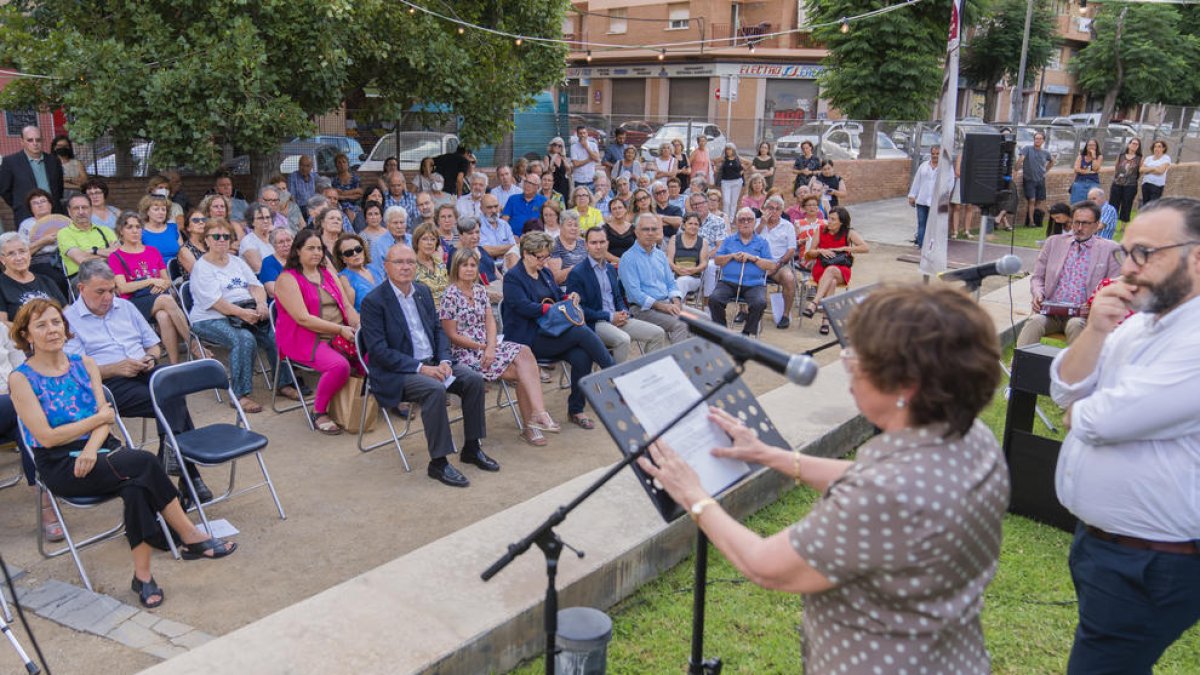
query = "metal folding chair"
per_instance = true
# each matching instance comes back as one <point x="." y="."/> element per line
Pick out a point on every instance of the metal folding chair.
<point x="72" y="546"/>
<point x="214" y="444"/>
<point x="281" y="362"/>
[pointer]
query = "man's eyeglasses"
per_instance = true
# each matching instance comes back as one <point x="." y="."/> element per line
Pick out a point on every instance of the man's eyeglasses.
<point x="745" y="220"/>
<point x="405" y="263"/>
<point x="352" y="251"/>
<point x="1083" y="222"/>
<point x="220" y="236"/>
<point x="1140" y="255"/>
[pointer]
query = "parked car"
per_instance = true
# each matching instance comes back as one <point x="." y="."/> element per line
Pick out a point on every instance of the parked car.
<point x="350" y="146"/>
<point x="788" y="147"/>
<point x="845" y="143"/>
<point x="412" y="147"/>
<point x="322" y="155"/>
<point x="685" y="132"/>
<point x="905" y="134"/>
<point x="637" y="131"/>
<point x="106" y="165"/>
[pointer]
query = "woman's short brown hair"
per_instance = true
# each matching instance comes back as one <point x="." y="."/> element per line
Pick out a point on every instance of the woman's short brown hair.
<point x="934" y="338"/>
<point x="31" y="310"/>
<point x="423" y="230"/>
<point x="147" y="201"/>
<point x="536" y="242"/>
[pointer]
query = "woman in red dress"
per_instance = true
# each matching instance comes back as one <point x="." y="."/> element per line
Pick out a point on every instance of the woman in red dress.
<point x="833" y="253"/>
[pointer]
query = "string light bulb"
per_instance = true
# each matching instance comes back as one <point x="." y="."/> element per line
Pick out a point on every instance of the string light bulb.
<point x="845" y="26"/>
<point x="589" y="56"/>
<point x="412" y="10"/>
<point x="519" y="42"/>
<point x="662" y="55"/>
<point x="461" y="30"/>
<point x="751" y="45"/>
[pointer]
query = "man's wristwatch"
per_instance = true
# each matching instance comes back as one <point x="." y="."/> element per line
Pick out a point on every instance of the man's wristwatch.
<point x="698" y="508"/>
<point x="95" y="250"/>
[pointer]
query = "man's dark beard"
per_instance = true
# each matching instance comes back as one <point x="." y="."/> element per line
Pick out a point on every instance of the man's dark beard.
<point x="1168" y="293"/>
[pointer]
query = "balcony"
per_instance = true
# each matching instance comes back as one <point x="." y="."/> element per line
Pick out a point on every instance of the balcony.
<point x="744" y="36"/>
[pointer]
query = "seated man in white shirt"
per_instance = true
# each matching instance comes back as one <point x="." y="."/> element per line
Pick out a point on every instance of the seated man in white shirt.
<point x="781" y="237"/>
<point x="471" y="204"/>
<point x="495" y="235"/>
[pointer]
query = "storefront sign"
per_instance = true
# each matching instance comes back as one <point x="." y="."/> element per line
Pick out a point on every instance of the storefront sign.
<point x="771" y="71"/>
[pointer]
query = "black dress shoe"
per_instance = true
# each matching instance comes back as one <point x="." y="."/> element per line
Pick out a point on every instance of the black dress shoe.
<point x="740" y="317"/>
<point x="448" y="475"/>
<point x="480" y="460"/>
<point x="185" y="497"/>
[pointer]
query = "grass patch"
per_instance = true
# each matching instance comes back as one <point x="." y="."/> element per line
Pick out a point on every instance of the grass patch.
<point x="1029" y="610"/>
<point x="1031" y="237"/>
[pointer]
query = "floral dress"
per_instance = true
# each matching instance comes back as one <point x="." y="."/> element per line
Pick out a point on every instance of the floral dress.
<point x="437" y="279"/>
<point x="471" y="315"/>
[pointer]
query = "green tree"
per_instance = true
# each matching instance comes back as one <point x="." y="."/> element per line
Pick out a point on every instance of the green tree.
<point x="1137" y="55"/>
<point x="410" y="58"/>
<point x="887" y="67"/>
<point x="994" y="51"/>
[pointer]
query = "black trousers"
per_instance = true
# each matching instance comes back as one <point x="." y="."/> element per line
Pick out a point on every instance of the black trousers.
<point x="430" y="394"/>
<point x="136" y="476"/>
<point x="1121" y="198"/>
<point x="1151" y="193"/>
<point x="132" y="396"/>
<point x="580" y="347"/>
<point x="754" y="296"/>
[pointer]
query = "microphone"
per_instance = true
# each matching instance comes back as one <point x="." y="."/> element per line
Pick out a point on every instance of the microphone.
<point x="797" y="368"/>
<point x="1008" y="265"/>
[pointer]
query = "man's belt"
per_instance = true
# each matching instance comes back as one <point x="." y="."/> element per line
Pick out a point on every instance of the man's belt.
<point x="1177" y="547"/>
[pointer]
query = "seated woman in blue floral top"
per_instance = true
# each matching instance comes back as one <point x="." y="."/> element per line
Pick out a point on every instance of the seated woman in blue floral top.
<point x="60" y="400"/>
<point x="351" y="256"/>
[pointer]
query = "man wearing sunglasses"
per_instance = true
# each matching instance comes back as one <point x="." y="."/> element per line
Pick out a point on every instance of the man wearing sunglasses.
<point x="1129" y="468"/>
<point x="1069" y="268"/>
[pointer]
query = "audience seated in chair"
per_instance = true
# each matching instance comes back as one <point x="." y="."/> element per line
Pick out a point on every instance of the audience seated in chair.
<point x="116" y="337"/>
<point x="60" y="401"/>
<point x="603" y="302"/>
<point x="142" y="279"/>
<point x="781" y="238"/>
<point x="648" y="281"/>
<point x="470" y="325"/>
<point x="410" y="361"/>
<point x="830" y="268"/>
<point x="744" y="259"/>
<point x="230" y="309"/>
<point x="687" y="253"/>
<point x="1069" y="268"/>
<point x="315" y="307"/>
<point x="272" y="266"/>
<point x="352" y="258"/>
<point x="529" y="291"/>
<point x="19" y="283"/>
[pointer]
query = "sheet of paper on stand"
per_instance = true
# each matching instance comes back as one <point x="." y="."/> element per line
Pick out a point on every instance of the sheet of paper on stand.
<point x="659" y="391"/>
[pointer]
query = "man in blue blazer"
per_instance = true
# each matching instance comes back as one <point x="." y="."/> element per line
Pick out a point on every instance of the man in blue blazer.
<point x="30" y="168"/>
<point x="603" y="302"/>
<point x="409" y="359"/>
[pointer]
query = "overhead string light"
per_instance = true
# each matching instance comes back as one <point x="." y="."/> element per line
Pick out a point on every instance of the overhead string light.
<point x="843" y="23"/>
<point x="662" y="55"/>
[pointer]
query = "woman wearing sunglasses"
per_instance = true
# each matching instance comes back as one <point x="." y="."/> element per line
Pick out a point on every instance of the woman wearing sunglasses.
<point x="352" y="258"/>
<point x="229" y="308"/>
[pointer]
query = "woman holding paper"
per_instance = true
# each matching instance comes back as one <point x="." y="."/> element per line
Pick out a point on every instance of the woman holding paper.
<point x="894" y="558"/>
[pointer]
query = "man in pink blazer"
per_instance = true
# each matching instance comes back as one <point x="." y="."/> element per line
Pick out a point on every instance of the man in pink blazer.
<point x="1069" y="268"/>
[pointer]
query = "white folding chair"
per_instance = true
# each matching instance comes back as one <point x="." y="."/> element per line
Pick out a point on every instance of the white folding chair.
<point x="281" y="362"/>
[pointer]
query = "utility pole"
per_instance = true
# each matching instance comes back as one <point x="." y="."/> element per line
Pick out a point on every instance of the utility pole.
<point x="1018" y="100"/>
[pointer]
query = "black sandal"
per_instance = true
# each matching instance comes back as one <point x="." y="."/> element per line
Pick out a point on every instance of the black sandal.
<point x="198" y="550"/>
<point x="810" y="310"/>
<point x="824" y="330"/>
<point x="147" y="590"/>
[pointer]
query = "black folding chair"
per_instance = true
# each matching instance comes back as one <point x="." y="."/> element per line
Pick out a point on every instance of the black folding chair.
<point x="214" y="444"/>
<point x="88" y="502"/>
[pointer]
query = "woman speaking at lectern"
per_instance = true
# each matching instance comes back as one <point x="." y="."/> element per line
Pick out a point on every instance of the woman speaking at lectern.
<point x="894" y="558"/>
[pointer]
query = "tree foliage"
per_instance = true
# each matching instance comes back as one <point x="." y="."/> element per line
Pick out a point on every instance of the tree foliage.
<point x="994" y="51"/>
<point x="1151" y="62"/>
<point x="194" y="75"/>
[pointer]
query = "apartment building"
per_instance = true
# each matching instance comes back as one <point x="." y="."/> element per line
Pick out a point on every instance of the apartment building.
<point x="726" y="45"/>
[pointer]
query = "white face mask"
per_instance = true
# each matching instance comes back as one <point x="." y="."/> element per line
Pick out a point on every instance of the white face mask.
<point x="162" y="192"/>
<point x="438" y="185"/>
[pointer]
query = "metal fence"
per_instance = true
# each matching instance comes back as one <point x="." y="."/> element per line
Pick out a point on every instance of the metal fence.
<point x="369" y="142"/>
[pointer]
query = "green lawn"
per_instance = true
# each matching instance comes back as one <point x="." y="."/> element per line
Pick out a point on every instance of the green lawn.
<point x="1028" y="618"/>
<point x="1031" y="237"/>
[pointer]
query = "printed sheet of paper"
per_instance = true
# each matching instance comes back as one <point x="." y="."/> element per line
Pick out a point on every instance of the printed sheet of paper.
<point x="656" y="393"/>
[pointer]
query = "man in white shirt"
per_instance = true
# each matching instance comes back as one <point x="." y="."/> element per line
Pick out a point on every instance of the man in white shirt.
<point x="470" y="205"/>
<point x="920" y="194"/>
<point x="1130" y="467"/>
<point x="495" y="234"/>
<point x="585" y="156"/>
<point x="781" y="237"/>
<point x="507" y="186"/>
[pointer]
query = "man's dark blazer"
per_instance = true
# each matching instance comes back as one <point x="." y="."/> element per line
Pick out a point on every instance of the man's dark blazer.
<point x="16" y="181"/>
<point x="582" y="280"/>
<point x="388" y="340"/>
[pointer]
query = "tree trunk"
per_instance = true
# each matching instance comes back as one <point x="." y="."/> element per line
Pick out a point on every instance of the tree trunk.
<point x="990" y="98"/>
<point x="262" y="167"/>
<point x="866" y="149"/>
<point x="1110" y="97"/>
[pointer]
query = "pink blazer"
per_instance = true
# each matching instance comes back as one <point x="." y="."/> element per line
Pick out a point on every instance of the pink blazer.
<point x="295" y="341"/>
<point x="1054" y="254"/>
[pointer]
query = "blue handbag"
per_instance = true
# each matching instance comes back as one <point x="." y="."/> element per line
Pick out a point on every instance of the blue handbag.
<point x="560" y="317"/>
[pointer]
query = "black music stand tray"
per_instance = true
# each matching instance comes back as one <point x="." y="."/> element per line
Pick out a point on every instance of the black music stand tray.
<point x="712" y="371"/>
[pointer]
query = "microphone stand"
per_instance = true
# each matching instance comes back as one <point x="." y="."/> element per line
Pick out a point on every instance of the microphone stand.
<point x="551" y="545"/>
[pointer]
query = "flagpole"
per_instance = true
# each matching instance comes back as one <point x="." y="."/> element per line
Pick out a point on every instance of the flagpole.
<point x="933" y="251"/>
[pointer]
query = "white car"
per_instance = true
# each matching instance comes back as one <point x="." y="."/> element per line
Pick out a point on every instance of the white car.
<point x="412" y="147"/>
<point x="845" y="144"/>
<point x="686" y="132"/>
<point x="788" y="147"/>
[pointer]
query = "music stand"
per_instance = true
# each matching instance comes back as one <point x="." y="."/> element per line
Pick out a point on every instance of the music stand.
<point x="838" y="307"/>
<point x="709" y="368"/>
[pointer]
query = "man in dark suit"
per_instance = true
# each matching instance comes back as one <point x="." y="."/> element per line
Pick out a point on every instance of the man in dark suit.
<point x="31" y="168"/>
<point x="603" y="302"/>
<point x="410" y="361"/>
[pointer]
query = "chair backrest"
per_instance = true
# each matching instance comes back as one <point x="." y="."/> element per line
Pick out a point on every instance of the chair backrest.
<point x="189" y="377"/>
<point x="272" y="310"/>
<point x="175" y="269"/>
<point x="126" y="439"/>
<point x="185" y="297"/>
<point x="361" y="349"/>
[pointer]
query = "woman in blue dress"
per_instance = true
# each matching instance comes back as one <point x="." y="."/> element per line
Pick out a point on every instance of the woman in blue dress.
<point x="352" y="256"/>
<point x="60" y="400"/>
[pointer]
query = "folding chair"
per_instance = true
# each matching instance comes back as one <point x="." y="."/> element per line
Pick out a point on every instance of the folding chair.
<point x="281" y="362"/>
<point x="383" y="411"/>
<point x="9" y="482"/>
<point x="214" y="444"/>
<point x="73" y="546"/>
<point x="187" y="301"/>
